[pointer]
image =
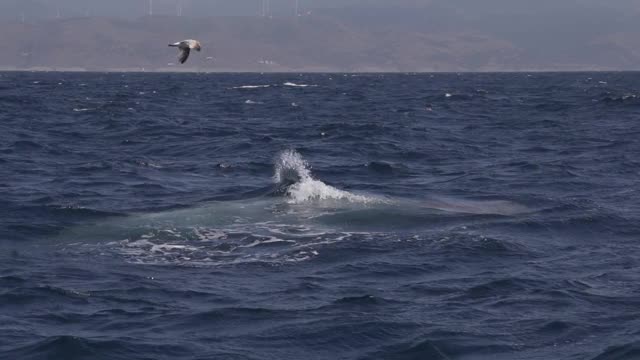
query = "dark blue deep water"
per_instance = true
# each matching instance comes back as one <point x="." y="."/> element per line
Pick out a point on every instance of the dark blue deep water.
<point x="325" y="216"/>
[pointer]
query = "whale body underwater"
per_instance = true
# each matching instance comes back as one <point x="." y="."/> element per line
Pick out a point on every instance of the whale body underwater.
<point x="288" y="220"/>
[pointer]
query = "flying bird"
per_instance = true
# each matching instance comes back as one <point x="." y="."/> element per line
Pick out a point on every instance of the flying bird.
<point x="185" y="47"/>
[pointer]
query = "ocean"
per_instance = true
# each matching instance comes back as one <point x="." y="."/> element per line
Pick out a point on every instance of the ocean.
<point x="319" y="216"/>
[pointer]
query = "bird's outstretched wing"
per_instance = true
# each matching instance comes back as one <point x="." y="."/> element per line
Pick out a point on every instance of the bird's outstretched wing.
<point x="184" y="54"/>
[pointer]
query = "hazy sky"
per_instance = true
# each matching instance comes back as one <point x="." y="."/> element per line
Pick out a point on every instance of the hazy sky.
<point x="135" y="8"/>
<point x="527" y="22"/>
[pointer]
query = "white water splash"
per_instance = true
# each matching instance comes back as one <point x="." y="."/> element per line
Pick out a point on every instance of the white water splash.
<point x="292" y="168"/>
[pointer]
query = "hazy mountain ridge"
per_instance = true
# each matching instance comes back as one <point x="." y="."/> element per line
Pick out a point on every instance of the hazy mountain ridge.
<point x="328" y="40"/>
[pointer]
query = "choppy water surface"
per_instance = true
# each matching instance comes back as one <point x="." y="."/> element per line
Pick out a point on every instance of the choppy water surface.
<point x="326" y="216"/>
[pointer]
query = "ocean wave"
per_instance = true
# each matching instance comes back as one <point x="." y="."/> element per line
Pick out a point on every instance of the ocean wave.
<point x="385" y="168"/>
<point x="629" y="351"/>
<point x="77" y="347"/>
<point x="25" y="295"/>
<point x="425" y="349"/>
<point x="625" y="99"/>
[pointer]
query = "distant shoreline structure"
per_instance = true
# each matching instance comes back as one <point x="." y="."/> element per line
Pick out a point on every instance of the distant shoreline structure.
<point x="419" y="37"/>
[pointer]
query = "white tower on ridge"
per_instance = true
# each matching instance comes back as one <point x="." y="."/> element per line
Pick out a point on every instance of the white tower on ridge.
<point x="179" y="7"/>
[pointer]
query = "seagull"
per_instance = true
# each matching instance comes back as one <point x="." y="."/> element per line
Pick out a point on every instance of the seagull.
<point x="185" y="47"/>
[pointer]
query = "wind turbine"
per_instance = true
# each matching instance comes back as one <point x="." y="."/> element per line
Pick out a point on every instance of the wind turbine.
<point x="58" y="14"/>
<point x="266" y="8"/>
<point x="179" y="7"/>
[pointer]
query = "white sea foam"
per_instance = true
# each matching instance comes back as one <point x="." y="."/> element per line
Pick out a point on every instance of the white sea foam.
<point x="251" y="87"/>
<point x="297" y="85"/>
<point x="230" y="248"/>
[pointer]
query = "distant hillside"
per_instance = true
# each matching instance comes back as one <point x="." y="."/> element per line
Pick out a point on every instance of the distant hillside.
<point x="330" y="40"/>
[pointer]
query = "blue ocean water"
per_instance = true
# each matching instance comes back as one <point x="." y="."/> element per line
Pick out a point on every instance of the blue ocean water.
<point x="319" y="216"/>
